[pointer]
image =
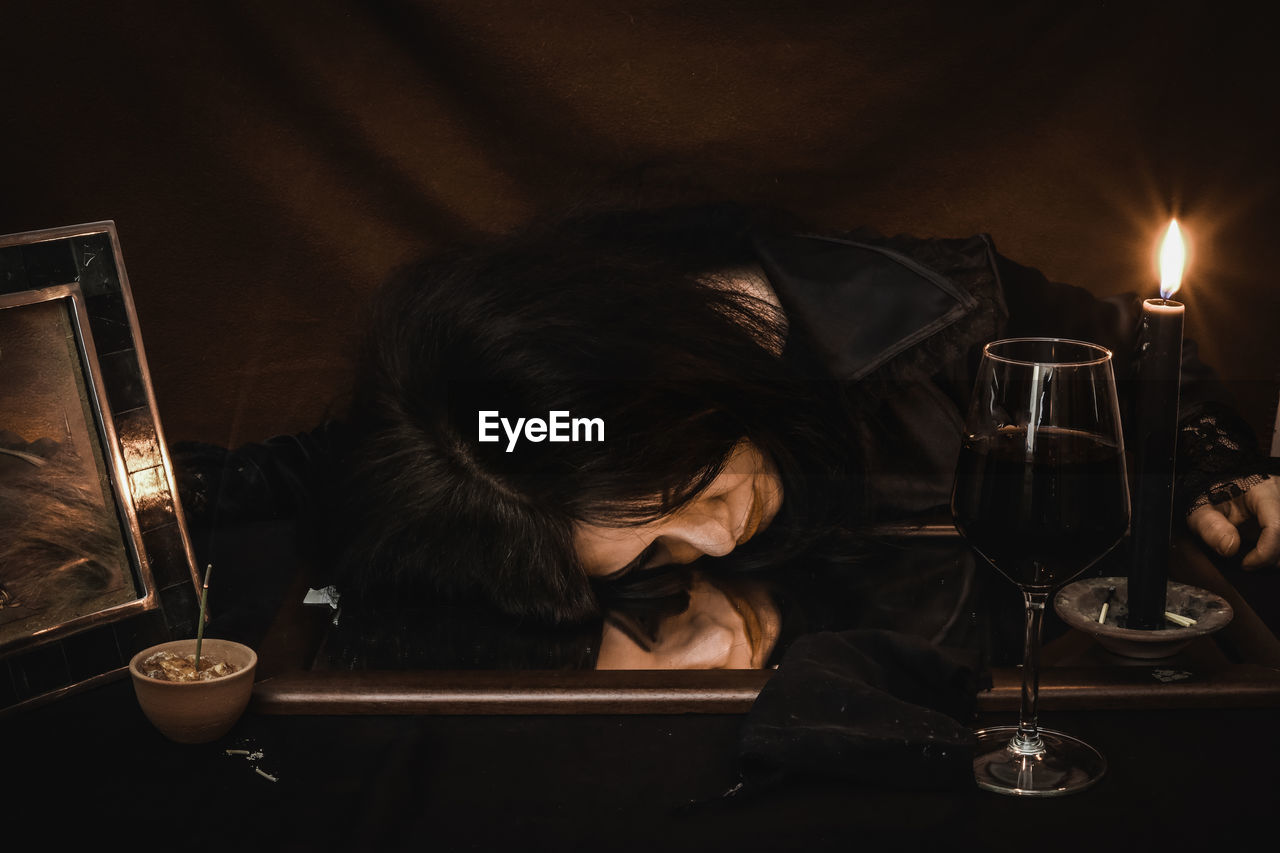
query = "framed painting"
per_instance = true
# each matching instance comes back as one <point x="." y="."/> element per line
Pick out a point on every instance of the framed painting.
<point x="95" y="560"/>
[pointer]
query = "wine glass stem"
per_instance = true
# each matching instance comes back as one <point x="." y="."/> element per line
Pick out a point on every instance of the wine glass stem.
<point x="1027" y="741"/>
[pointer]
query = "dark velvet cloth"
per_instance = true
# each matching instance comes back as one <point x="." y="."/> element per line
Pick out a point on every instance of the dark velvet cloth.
<point x="869" y="706"/>
<point x="269" y="164"/>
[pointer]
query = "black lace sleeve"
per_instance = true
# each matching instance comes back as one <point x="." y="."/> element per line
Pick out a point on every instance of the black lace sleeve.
<point x="1218" y="459"/>
<point x="282" y="477"/>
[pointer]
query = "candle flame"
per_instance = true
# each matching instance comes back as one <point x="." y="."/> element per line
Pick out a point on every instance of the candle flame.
<point x="1173" y="256"/>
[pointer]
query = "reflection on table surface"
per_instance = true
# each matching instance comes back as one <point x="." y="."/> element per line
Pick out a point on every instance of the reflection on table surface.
<point x="726" y="623"/>
<point x="447" y="659"/>
<point x="686" y="618"/>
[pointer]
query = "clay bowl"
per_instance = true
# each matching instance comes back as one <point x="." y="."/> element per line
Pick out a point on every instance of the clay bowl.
<point x="1079" y="604"/>
<point x="196" y="711"/>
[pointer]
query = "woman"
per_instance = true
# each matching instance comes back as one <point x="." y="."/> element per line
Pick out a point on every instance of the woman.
<point x="762" y="394"/>
<point x="543" y="419"/>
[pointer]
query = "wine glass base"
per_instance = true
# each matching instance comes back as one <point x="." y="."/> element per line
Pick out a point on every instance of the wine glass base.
<point x="1065" y="766"/>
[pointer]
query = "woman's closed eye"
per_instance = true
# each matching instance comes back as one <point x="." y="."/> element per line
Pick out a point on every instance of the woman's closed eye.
<point x="655" y="555"/>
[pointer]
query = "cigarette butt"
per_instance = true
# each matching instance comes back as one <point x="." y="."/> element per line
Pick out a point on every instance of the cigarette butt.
<point x="264" y="774"/>
<point x="1106" y="605"/>
<point x="1184" y="621"/>
<point x="236" y="752"/>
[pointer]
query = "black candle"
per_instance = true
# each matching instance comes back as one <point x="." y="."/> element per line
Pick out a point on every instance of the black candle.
<point x="1155" y="439"/>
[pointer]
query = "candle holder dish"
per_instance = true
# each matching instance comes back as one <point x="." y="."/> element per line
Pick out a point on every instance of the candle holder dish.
<point x="1080" y="603"/>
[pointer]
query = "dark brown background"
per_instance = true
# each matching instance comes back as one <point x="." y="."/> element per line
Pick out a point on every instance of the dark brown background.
<point x="268" y="164"/>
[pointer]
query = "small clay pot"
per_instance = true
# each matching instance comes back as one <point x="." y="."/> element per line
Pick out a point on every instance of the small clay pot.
<point x="196" y="711"/>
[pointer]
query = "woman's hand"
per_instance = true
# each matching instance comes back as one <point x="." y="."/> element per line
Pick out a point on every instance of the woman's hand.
<point x="1217" y="524"/>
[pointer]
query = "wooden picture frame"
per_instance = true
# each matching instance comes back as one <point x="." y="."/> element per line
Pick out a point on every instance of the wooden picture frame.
<point x="97" y="563"/>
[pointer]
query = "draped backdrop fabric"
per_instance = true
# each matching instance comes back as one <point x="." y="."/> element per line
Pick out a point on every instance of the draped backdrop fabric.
<point x="268" y="164"/>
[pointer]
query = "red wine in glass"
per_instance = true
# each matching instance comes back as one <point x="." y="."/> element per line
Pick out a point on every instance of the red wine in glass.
<point x="1039" y="515"/>
<point x="1041" y="494"/>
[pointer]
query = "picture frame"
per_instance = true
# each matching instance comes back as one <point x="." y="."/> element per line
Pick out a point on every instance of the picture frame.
<point x="96" y="562"/>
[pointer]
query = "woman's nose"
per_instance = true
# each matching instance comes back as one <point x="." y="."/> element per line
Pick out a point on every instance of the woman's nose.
<point x="708" y="527"/>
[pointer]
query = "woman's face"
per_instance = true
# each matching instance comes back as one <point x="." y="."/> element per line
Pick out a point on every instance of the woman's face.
<point x="741" y="501"/>
<point x="728" y="624"/>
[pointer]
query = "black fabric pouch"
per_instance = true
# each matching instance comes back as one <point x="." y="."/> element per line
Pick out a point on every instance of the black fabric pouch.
<point x="868" y="706"/>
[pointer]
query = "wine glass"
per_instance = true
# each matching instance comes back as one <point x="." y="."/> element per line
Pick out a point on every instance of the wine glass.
<point x="1041" y="493"/>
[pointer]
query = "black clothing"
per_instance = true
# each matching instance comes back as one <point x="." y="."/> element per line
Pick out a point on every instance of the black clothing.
<point x="874" y="707"/>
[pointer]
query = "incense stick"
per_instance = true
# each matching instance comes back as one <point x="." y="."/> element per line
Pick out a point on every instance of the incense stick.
<point x="204" y="600"/>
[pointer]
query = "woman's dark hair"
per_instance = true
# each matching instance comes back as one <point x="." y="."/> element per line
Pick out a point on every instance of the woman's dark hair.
<point x="622" y="316"/>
